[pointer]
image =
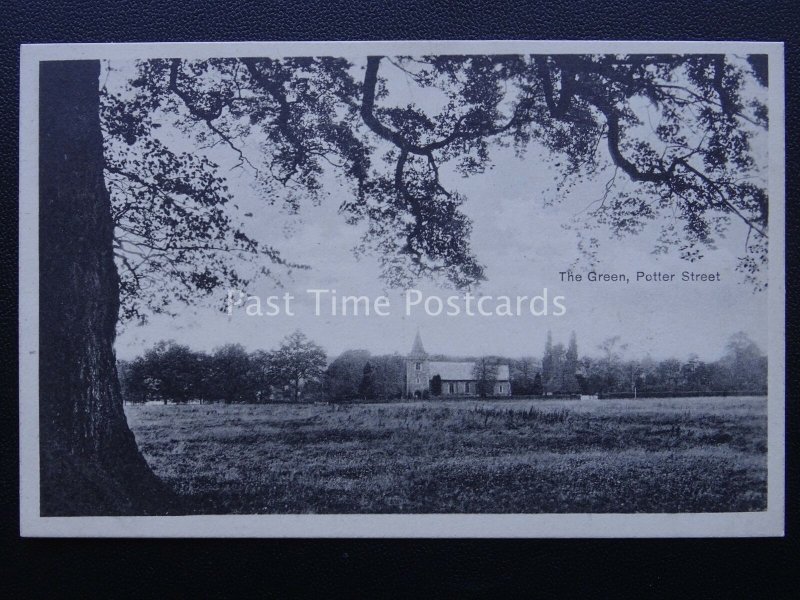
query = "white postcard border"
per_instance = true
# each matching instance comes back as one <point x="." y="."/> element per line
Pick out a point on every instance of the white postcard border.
<point x="584" y="525"/>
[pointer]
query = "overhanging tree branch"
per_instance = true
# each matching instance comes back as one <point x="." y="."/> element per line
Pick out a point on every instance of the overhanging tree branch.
<point x="208" y="116"/>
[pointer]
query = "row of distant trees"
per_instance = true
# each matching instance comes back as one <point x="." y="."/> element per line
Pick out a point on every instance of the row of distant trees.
<point x="561" y="371"/>
<point x="298" y="370"/>
<point x="742" y="368"/>
<point x="171" y="372"/>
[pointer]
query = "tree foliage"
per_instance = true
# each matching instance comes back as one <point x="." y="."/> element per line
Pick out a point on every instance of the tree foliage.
<point x="674" y="131"/>
<point x="171" y="372"/>
<point x="485" y="374"/>
<point x="537" y="389"/>
<point x="742" y="369"/>
<point x="348" y="377"/>
<point x="344" y="374"/>
<point x="436" y="385"/>
<point x="366" y="387"/>
<point x="523" y="374"/>
<point x="389" y="377"/>
<point x="296" y="362"/>
<point x="235" y="375"/>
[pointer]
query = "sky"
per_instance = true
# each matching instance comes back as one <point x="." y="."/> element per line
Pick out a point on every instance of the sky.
<point x="518" y="235"/>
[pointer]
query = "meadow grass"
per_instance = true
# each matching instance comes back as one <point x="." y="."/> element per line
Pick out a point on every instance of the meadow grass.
<point x="561" y="456"/>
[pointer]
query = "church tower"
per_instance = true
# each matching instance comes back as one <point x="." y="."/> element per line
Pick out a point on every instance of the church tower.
<point x="417" y="370"/>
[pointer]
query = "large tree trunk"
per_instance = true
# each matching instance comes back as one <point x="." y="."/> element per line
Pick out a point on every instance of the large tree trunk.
<point x="90" y="463"/>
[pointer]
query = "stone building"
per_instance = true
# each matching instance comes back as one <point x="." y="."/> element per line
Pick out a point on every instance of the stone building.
<point x="458" y="377"/>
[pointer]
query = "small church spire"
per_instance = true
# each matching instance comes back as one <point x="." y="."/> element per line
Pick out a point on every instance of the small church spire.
<point x="417" y="349"/>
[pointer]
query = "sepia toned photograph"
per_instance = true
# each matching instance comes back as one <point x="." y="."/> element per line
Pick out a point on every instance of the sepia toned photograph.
<point x="402" y="289"/>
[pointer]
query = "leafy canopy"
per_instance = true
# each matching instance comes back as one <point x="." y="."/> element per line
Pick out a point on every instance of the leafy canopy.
<point x="295" y="122"/>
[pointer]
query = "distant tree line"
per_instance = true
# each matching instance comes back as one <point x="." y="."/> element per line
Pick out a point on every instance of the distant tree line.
<point x="561" y="371"/>
<point x="171" y="372"/>
<point x="298" y="371"/>
<point x="742" y="368"/>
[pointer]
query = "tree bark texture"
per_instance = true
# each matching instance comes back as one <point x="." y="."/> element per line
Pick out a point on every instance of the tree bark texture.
<point x="90" y="463"/>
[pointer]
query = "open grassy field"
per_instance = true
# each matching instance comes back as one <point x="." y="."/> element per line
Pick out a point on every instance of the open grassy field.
<point x="665" y="455"/>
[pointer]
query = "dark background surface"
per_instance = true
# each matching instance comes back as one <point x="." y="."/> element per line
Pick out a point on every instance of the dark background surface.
<point x="470" y="567"/>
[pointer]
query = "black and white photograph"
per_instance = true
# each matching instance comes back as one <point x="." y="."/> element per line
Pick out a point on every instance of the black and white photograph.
<point x="508" y="289"/>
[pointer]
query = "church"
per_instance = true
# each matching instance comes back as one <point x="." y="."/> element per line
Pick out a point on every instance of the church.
<point x="458" y="377"/>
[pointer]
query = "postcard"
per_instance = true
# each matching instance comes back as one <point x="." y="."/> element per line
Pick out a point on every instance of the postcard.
<point x="402" y="289"/>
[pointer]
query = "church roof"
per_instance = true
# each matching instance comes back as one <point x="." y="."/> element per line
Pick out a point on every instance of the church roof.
<point x="462" y="371"/>
<point x="417" y="349"/>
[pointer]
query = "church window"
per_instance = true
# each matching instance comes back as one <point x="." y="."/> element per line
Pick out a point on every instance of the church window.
<point x="418" y="366"/>
<point x="418" y="379"/>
